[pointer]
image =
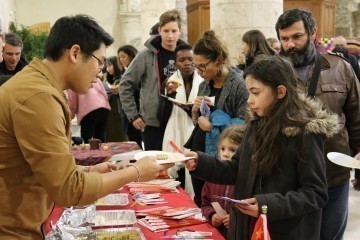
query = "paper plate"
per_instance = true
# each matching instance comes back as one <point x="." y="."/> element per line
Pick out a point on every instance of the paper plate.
<point x="172" y="157"/>
<point x="343" y="160"/>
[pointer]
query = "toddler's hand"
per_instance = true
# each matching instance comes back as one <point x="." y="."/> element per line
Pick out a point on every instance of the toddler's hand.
<point x="216" y="220"/>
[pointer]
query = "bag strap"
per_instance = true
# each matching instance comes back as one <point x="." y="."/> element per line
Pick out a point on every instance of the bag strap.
<point x="315" y="76"/>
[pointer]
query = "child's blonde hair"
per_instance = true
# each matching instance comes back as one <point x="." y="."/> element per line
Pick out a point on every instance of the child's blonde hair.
<point x="235" y="133"/>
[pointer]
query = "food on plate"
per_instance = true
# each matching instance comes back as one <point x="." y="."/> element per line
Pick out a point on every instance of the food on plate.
<point x="162" y="156"/>
<point x="127" y="235"/>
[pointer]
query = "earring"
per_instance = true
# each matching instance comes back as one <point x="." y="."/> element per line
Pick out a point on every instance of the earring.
<point x="218" y="72"/>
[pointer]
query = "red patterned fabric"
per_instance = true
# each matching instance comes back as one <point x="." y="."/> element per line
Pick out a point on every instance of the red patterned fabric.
<point x="87" y="157"/>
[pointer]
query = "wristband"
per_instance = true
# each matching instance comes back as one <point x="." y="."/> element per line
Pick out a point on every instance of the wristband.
<point x="138" y="171"/>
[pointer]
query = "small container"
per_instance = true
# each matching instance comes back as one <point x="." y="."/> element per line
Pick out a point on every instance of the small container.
<point x="114" y="199"/>
<point x="132" y="233"/>
<point x="114" y="218"/>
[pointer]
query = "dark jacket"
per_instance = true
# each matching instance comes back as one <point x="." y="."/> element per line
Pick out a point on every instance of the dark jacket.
<point x="339" y="91"/>
<point x="207" y="197"/>
<point x="232" y="98"/>
<point x="21" y="64"/>
<point x="143" y="75"/>
<point x="294" y="194"/>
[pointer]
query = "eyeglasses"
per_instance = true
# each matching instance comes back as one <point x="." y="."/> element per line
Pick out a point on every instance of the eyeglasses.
<point x="101" y="63"/>
<point x="201" y="67"/>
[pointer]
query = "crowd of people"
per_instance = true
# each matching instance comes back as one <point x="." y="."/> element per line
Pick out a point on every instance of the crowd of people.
<point x="258" y="131"/>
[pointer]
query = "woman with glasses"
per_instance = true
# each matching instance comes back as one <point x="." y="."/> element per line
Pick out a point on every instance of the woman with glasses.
<point x="117" y="122"/>
<point x="223" y="89"/>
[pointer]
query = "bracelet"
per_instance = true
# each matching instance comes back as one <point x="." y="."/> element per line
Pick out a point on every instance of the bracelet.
<point x="138" y="171"/>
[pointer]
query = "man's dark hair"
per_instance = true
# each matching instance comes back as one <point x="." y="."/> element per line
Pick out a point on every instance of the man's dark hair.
<point x="291" y="16"/>
<point x="80" y="29"/>
<point x="14" y="40"/>
<point x="183" y="46"/>
<point x="130" y="50"/>
<point x="154" y="30"/>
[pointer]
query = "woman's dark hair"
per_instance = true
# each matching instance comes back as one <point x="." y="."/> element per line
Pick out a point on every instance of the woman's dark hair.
<point x="182" y="46"/>
<point x="291" y="16"/>
<point x="257" y="43"/>
<point x="290" y="111"/>
<point x="117" y="72"/>
<point x="130" y="50"/>
<point x="210" y="46"/>
<point x="80" y="29"/>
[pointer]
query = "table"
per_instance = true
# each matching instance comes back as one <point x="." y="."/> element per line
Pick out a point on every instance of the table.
<point x="87" y="157"/>
<point x="173" y="199"/>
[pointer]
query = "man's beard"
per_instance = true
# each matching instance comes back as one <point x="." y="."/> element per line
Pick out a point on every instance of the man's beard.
<point x="301" y="57"/>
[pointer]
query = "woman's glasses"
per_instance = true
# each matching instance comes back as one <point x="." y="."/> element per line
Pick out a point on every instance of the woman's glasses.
<point x="201" y="67"/>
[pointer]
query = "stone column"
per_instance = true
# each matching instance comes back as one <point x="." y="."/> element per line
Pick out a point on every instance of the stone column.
<point x="150" y="13"/>
<point x="230" y="19"/>
<point x="128" y="30"/>
<point x="7" y="14"/>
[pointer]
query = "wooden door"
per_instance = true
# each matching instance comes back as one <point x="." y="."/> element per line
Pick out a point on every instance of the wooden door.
<point x="323" y="11"/>
<point x="198" y="16"/>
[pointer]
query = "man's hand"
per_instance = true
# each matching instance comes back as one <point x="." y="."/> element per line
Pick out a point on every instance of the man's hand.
<point x="356" y="181"/>
<point x="103" y="167"/>
<point x="149" y="169"/>
<point x="139" y="124"/>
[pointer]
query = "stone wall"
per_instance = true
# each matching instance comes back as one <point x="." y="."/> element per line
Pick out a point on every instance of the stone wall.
<point x="232" y="18"/>
<point x="7" y="14"/>
<point x="344" y="20"/>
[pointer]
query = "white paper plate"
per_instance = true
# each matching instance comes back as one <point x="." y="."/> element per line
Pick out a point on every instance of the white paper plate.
<point x="343" y="160"/>
<point x="172" y="157"/>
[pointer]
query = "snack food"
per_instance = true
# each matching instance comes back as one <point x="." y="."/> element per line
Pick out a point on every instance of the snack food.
<point x="127" y="235"/>
<point x="178" y="84"/>
<point x="162" y="156"/>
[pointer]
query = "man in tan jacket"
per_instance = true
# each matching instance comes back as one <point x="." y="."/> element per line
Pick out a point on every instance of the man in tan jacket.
<point x="37" y="168"/>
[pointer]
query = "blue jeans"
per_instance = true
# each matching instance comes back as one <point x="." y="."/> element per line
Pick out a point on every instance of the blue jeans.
<point x="335" y="213"/>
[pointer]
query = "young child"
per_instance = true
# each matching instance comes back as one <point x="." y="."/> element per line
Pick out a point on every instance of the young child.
<point x="229" y="141"/>
<point x="280" y="163"/>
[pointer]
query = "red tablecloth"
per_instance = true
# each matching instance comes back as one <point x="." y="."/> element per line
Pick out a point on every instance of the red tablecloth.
<point x="87" y="157"/>
<point x="174" y="199"/>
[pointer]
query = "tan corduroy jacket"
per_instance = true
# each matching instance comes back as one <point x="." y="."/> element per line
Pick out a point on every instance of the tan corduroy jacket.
<point x="37" y="168"/>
